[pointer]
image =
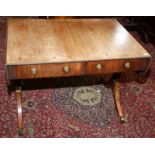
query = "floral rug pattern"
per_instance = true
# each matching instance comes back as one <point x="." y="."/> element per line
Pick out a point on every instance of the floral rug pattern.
<point x="93" y="105"/>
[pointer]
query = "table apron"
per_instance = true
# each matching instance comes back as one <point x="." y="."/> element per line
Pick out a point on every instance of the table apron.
<point x="32" y="71"/>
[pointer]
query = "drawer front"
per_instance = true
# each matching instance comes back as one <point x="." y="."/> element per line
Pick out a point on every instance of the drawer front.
<point x="114" y="66"/>
<point x="75" y="69"/>
<point x="45" y="70"/>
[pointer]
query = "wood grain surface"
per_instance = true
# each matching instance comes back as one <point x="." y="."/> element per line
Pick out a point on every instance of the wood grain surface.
<point x="38" y="41"/>
<point x="75" y="69"/>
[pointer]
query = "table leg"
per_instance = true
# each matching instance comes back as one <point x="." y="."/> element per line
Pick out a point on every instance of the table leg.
<point x="117" y="101"/>
<point x="19" y="110"/>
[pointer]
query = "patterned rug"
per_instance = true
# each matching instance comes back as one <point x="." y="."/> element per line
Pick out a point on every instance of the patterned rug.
<point x="89" y="104"/>
<point x="68" y="108"/>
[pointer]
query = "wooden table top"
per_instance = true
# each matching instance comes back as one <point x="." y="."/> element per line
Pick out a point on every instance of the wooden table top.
<point x="37" y="41"/>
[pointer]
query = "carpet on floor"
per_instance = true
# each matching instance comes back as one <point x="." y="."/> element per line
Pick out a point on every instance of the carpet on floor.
<point x="68" y="108"/>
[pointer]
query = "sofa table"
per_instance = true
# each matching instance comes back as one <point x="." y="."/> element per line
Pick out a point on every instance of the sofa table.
<point x="50" y="48"/>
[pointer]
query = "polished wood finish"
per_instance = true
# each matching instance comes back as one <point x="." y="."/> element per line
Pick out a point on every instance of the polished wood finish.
<point x="117" y="101"/>
<point x="115" y="66"/>
<point x="19" y="109"/>
<point x="44" y="71"/>
<point x="75" y="69"/>
<point x="33" y="41"/>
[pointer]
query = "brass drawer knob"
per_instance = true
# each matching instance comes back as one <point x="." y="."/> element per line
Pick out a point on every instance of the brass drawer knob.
<point x="99" y="66"/>
<point x="66" y="69"/>
<point x="127" y="65"/>
<point x="34" y="70"/>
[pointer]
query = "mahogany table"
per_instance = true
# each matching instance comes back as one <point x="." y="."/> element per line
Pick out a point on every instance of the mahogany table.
<point x="50" y="48"/>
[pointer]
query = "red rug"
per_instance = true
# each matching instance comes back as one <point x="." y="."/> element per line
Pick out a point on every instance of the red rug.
<point x="47" y="112"/>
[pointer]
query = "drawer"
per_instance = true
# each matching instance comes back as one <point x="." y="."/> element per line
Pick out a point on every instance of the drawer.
<point x="113" y="66"/>
<point x="75" y="69"/>
<point x="44" y="70"/>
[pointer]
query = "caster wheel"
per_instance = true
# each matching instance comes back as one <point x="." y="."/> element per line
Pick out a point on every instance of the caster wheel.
<point x="122" y="119"/>
<point x="20" y="132"/>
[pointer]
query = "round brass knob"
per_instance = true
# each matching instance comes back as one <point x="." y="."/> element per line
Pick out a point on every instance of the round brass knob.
<point x="122" y="119"/>
<point x="66" y="69"/>
<point x="127" y="65"/>
<point x="99" y="66"/>
<point x="34" y="71"/>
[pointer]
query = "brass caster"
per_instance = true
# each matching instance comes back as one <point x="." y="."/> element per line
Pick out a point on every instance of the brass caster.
<point x="20" y="132"/>
<point x="122" y="119"/>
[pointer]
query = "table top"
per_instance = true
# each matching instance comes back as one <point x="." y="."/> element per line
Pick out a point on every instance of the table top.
<point x="37" y="41"/>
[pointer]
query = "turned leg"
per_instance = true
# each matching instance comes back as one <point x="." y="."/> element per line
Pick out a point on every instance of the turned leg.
<point x="19" y="110"/>
<point x="117" y="101"/>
